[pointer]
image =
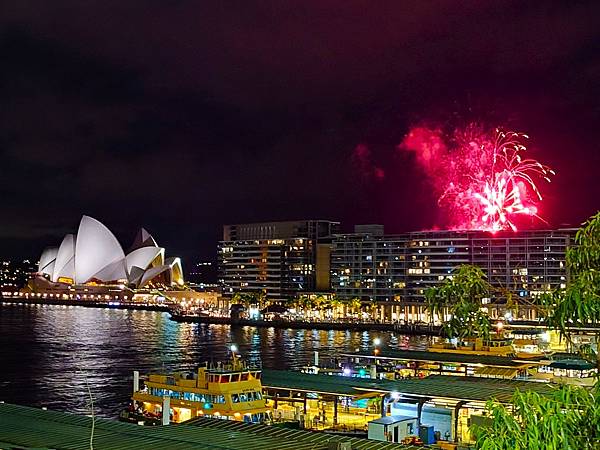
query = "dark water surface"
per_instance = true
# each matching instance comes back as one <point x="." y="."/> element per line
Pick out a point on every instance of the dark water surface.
<point x="50" y="354"/>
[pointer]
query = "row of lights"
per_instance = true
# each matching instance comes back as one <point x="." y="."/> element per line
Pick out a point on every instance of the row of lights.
<point x="64" y="296"/>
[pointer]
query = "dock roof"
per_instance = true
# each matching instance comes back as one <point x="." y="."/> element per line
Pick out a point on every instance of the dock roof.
<point x="453" y="358"/>
<point x="293" y="437"/>
<point x="24" y="427"/>
<point x="456" y="388"/>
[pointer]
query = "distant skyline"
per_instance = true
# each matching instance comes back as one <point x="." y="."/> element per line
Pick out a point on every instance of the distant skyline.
<point x="185" y="116"/>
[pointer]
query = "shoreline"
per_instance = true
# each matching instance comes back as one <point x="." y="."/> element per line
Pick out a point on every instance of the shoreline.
<point x="423" y="330"/>
<point x="419" y="330"/>
<point x="84" y="303"/>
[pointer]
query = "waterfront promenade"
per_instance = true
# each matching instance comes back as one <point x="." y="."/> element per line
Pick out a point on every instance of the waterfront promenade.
<point x="354" y="325"/>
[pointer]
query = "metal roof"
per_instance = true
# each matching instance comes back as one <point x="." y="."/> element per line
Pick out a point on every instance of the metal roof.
<point x="456" y="388"/>
<point x="292" y="439"/>
<point x="573" y="364"/>
<point x="437" y="357"/>
<point x="24" y="427"/>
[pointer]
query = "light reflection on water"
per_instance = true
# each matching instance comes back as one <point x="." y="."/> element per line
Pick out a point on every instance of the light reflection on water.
<point x="48" y="352"/>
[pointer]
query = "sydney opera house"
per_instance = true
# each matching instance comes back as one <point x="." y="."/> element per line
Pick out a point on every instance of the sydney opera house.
<point x="93" y="261"/>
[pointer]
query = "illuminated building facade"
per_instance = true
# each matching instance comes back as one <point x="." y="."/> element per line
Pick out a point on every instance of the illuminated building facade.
<point x="277" y="258"/>
<point x="14" y="274"/>
<point x="386" y="268"/>
<point x="92" y="262"/>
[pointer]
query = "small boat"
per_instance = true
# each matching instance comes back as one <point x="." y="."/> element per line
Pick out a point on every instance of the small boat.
<point x="230" y="391"/>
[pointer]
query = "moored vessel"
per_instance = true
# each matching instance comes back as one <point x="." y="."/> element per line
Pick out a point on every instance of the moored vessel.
<point x="230" y="390"/>
<point x="476" y="346"/>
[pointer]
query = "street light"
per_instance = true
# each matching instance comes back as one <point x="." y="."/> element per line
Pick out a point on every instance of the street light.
<point x="377" y="342"/>
<point x="233" y="348"/>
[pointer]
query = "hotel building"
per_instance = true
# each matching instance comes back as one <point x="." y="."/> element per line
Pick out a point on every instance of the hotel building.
<point x="278" y="258"/>
<point x="396" y="270"/>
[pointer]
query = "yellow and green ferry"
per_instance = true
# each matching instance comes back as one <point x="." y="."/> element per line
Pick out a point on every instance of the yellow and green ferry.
<point x="230" y="391"/>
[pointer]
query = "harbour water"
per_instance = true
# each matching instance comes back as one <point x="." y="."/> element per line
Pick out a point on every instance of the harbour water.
<point x="52" y="355"/>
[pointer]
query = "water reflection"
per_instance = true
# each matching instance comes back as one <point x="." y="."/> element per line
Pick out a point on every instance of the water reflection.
<point x="50" y="352"/>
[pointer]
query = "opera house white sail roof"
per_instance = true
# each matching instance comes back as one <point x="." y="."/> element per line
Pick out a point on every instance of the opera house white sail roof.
<point x="95" y="255"/>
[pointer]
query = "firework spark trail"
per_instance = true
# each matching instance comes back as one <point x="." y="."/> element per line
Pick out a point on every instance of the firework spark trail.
<point x="481" y="178"/>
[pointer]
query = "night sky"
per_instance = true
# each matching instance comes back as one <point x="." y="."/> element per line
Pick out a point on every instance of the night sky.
<point x="181" y="116"/>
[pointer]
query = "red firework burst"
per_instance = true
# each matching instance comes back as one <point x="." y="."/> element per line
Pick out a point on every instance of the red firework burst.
<point x="481" y="178"/>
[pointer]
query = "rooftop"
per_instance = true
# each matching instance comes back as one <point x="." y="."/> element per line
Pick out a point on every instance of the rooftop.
<point x="28" y="428"/>
<point x="457" y="388"/>
<point x="387" y="420"/>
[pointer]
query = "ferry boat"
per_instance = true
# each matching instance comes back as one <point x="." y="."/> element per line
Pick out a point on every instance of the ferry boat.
<point x="230" y="391"/>
<point x="476" y="346"/>
<point x="529" y="344"/>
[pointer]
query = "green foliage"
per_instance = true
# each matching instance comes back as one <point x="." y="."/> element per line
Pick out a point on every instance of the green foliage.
<point x="570" y="417"/>
<point x="567" y="419"/>
<point x="462" y="294"/>
<point x="251" y="298"/>
<point x="579" y="303"/>
<point x="355" y="305"/>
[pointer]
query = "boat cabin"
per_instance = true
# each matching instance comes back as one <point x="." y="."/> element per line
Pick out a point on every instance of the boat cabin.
<point x="228" y="391"/>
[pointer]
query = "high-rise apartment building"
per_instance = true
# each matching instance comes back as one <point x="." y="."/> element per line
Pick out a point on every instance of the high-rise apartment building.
<point x="384" y="268"/>
<point x="278" y="258"/>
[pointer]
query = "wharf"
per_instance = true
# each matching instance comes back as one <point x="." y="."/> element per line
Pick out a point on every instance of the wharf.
<point x="25" y="427"/>
<point x="456" y="388"/>
<point x="451" y="358"/>
<point x="410" y="329"/>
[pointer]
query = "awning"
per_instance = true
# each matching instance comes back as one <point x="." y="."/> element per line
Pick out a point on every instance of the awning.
<point x="496" y="372"/>
<point x="367" y="395"/>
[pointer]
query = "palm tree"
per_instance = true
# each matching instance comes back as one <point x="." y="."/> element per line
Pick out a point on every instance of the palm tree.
<point x="335" y="304"/>
<point x="373" y="308"/>
<point x="355" y="305"/>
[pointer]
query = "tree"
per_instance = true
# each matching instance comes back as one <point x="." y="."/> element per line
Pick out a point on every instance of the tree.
<point x="568" y="418"/>
<point x="320" y="302"/>
<point x="335" y="304"/>
<point x="354" y="305"/>
<point x="579" y="304"/>
<point x="373" y="308"/>
<point x="462" y="295"/>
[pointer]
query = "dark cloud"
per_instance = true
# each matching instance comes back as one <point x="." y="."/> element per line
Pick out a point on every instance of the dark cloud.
<point x="184" y="115"/>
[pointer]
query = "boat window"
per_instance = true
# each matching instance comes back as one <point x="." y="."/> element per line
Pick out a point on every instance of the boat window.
<point x="235" y="377"/>
<point x="245" y="376"/>
<point x="219" y="399"/>
<point x="257" y="375"/>
<point x="225" y="378"/>
<point x="243" y="397"/>
<point x="235" y="398"/>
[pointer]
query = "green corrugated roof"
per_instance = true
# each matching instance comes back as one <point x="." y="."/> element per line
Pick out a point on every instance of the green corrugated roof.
<point x="457" y="358"/>
<point x="25" y="427"/>
<point x="289" y="435"/>
<point x="433" y="386"/>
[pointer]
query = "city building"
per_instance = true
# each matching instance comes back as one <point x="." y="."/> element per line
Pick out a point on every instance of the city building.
<point x="396" y="270"/>
<point x="14" y="274"/>
<point x="280" y="259"/>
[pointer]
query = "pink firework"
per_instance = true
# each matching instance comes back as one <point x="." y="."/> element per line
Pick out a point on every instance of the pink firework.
<point x="481" y="178"/>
